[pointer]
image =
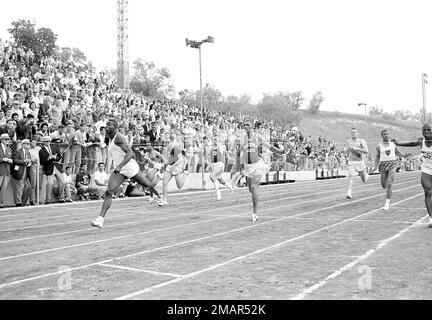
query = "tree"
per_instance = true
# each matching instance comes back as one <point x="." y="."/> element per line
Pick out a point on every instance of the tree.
<point x="66" y="54"/>
<point x="78" y="56"/>
<point x="23" y="32"/>
<point x="296" y="100"/>
<point x="212" y="97"/>
<point x="277" y="108"/>
<point x="151" y="81"/>
<point x="375" y="110"/>
<point x="45" y="42"/>
<point x="41" y="42"/>
<point x="315" y="102"/>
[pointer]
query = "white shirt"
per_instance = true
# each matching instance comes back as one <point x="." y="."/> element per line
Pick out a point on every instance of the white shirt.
<point x="101" y="177"/>
<point x="426" y="154"/>
<point x="388" y="153"/>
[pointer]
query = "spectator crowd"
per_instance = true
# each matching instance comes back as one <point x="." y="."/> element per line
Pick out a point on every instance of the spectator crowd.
<point x="54" y="114"/>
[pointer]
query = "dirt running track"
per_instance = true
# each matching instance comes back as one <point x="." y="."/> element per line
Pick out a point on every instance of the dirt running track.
<point x="310" y="243"/>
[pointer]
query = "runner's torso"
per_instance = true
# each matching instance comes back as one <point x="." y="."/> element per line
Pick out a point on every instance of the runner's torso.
<point x="251" y="149"/>
<point x="387" y="153"/>
<point x="117" y="154"/>
<point x="354" y="155"/>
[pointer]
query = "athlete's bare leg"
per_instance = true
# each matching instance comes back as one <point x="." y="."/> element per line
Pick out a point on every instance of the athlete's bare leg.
<point x="364" y="175"/>
<point x="390" y="179"/>
<point x="384" y="176"/>
<point x="426" y="181"/>
<point x="253" y="184"/>
<point x="114" y="182"/>
<point x="146" y="183"/>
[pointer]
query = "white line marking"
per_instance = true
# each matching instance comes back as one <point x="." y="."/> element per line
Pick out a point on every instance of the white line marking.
<point x="190" y="224"/>
<point x="97" y="203"/>
<point x="347" y="267"/>
<point x="171" y="214"/>
<point x="174" y="275"/>
<point x="170" y="246"/>
<point x="163" y="284"/>
<point x="213" y="267"/>
<point x="71" y="214"/>
<point x="361" y="189"/>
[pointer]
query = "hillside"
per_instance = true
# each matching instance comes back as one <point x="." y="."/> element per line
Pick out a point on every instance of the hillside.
<point x="336" y="126"/>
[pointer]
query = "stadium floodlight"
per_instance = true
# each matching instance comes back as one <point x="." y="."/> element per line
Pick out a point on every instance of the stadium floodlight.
<point x="197" y="45"/>
<point x="424" y="82"/>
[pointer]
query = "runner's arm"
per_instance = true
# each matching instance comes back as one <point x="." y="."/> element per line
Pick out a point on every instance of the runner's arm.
<point x="377" y="158"/>
<point x="265" y="143"/>
<point x="400" y="154"/>
<point x="408" y="144"/>
<point x="363" y="149"/>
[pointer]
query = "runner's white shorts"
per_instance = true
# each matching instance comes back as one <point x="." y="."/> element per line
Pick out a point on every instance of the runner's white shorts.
<point x="131" y="169"/>
<point x="255" y="169"/>
<point x="355" y="166"/>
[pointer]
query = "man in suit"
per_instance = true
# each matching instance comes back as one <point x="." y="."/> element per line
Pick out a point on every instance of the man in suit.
<point x="26" y="129"/>
<point x="19" y="171"/>
<point x="153" y="133"/>
<point x="50" y="156"/>
<point x="5" y="162"/>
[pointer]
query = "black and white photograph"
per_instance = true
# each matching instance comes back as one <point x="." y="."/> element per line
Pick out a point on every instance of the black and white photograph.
<point x="219" y="155"/>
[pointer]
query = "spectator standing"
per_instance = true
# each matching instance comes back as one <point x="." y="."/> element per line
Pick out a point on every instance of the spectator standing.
<point x="21" y="162"/>
<point x="50" y="158"/>
<point x="5" y="162"/>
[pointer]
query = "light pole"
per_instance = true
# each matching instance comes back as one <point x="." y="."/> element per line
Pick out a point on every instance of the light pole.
<point x="366" y="131"/>
<point x="197" y="45"/>
<point x="364" y="104"/>
<point x="424" y="82"/>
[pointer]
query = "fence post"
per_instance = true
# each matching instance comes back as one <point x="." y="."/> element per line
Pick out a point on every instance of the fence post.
<point x="37" y="184"/>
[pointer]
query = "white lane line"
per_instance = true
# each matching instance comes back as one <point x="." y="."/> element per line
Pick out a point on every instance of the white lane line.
<point x="364" y="188"/>
<point x="216" y="266"/>
<point x="72" y="214"/>
<point x="172" y="214"/>
<point x="190" y="224"/>
<point x="189" y="241"/>
<point x="360" y="189"/>
<point x="97" y="203"/>
<point x="348" y="266"/>
<point x="174" y="275"/>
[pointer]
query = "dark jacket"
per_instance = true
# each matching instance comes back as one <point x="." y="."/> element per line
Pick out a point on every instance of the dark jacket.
<point x="4" y="166"/>
<point x="18" y="166"/>
<point x="48" y="165"/>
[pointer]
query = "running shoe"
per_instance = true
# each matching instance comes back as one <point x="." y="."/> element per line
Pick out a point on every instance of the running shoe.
<point x="98" y="222"/>
<point x="254" y="217"/>
<point x="151" y="199"/>
<point x="162" y="203"/>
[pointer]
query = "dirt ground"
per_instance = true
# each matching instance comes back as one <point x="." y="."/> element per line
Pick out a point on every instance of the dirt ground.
<point x="310" y="243"/>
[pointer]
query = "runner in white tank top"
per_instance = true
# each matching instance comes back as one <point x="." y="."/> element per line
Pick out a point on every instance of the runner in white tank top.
<point x="426" y="169"/>
<point x="215" y="155"/>
<point x="125" y="167"/>
<point x="387" y="163"/>
<point x="255" y="166"/>
<point x="355" y="150"/>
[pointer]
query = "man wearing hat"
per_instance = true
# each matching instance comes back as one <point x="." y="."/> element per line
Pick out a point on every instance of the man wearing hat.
<point x="50" y="156"/>
<point x="5" y="162"/>
<point x="19" y="171"/>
